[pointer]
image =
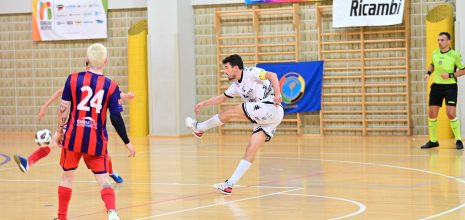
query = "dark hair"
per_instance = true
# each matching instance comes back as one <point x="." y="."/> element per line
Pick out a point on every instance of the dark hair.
<point x="445" y="34"/>
<point x="234" y="60"/>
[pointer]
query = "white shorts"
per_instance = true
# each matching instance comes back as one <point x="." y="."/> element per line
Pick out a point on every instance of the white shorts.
<point x="265" y="115"/>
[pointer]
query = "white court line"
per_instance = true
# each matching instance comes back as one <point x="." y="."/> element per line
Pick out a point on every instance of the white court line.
<point x="165" y="148"/>
<point x="14" y="166"/>
<point x="391" y="166"/>
<point x="217" y="204"/>
<point x="361" y="206"/>
<point x="141" y="183"/>
<point x="232" y="153"/>
<point x="363" y="163"/>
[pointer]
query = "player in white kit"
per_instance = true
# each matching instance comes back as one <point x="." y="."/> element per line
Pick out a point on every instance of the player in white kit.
<point x="261" y="97"/>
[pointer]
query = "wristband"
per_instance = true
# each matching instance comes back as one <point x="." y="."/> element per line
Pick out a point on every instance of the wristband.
<point x="451" y="75"/>
<point x="429" y="73"/>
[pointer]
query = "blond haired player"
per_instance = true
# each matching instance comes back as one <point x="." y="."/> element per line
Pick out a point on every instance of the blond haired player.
<point x="86" y="98"/>
<point x="25" y="164"/>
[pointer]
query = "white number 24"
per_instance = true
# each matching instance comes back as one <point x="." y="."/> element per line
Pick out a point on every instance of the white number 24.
<point x="95" y="102"/>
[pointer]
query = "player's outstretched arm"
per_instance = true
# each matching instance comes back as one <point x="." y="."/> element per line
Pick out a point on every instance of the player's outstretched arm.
<point x="118" y="122"/>
<point x="127" y="96"/>
<point x="43" y="109"/>
<point x="63" y="116"/>
<point x="277" y="90"/>
<point x="212" y="101"/>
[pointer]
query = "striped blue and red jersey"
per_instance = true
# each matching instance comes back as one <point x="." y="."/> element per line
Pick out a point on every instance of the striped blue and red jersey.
<point x="90" y="95"/>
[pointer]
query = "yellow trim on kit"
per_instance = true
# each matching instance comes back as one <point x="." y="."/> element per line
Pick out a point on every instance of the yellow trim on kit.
<point x="262" y="75"/>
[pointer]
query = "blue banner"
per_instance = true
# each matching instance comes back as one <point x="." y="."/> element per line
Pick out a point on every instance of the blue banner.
<point x="300" y="84"/>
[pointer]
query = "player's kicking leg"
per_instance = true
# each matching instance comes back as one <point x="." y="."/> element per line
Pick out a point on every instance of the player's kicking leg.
<point x="199" y="128"/>
<point x="25" y="164"/>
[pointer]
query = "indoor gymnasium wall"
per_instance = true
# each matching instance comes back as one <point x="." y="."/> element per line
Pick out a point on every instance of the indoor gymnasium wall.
<point x="206" y="50"/>
<point x="206" y="57"/>
<point x="31" y="72"/>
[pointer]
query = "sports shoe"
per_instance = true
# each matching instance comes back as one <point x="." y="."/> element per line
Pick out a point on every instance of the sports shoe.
<point x="116" y="177"/>
<point x="22" y="162"/>
<point x="192" y="124"/>
<point x="459" y="145"/>
<point x="223" y="187"/>
<point x="430" y="144"/>
<point x="112" y="215"/>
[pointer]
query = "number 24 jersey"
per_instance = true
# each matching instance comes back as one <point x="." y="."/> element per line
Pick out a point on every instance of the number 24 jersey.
<point x="90" y="95"/>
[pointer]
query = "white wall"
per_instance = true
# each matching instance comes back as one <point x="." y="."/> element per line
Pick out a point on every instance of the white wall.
<point x="186" y="63"/>
<point x="121" y="4"/>
<point x="162" y="64"/>
<point x="172" y="94"/>
<point x="25" y="6"/>
<point x="460" y="46"/>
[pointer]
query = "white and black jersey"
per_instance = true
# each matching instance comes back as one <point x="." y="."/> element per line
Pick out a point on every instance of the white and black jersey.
<point x="258" y="94"/>
<point x="252" y="87"/>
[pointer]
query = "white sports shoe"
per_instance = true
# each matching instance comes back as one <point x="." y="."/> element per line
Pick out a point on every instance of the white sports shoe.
<point x="223" y="187"/>
<point x="112" y="215"/>
<point x="192" y="124"/>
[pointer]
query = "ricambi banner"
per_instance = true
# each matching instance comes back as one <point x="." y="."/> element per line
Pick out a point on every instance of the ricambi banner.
<point x="272" y="1"/>
<point x="353" y="13"/>
<point x="300" y="84"/>
<point x="69" y="19"/>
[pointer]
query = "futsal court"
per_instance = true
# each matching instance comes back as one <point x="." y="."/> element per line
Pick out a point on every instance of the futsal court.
<point x="355" y="79"/>
<point x="292" y="178"/>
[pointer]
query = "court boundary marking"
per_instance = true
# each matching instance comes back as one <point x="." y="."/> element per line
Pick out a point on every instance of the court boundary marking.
<point x="390" y="166"/>
<point x="217" y="204"/>
<point x="361" y="206"/>
<point x="348" y="162"/>
<point x="363" y="163"/>
<point x="6" y="159"/>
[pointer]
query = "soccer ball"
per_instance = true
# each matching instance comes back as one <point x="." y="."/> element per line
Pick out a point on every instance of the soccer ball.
<point x="43" y="137"/>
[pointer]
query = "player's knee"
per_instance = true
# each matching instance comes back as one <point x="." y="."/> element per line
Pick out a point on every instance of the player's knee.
<point x="433" y="113"/>
<point x="451" y="114"/>
<point x="226" y="115"/>
<point x="67" y="180"/>
<point x="68" y="176"/>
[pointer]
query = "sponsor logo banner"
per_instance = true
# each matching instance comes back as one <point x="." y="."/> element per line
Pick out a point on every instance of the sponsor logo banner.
<point x="353" y="13"/>
<point x="69" y="19"/>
